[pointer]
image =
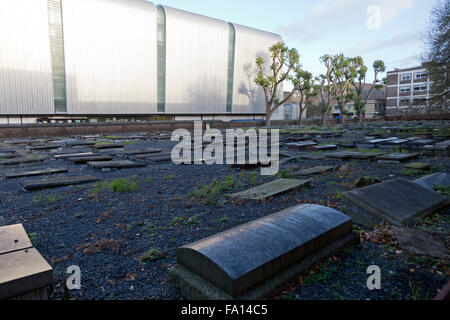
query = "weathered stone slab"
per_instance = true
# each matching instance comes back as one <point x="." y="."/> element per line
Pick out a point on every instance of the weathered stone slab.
<point x="13" y="238"/>
<point x="300" y="144"/>
<point x="271" y="189"/>
<point x="74" y="155"/>
<point x="79" y="143"/>
<point x="250" y="260"/>
<point x="310" y="156"/>
<point x="399" y="157"/>
<point x="142" y="151"/>
<point x="159" y="157"/>
<point x="23" y="271"/>
<point x="7" y="155"/>
<point x="343" y="155"/>
<point x="31" y="184"/>
<point x="397" y="201"/>
<point x="315" y="170"/>
<point x="45" y="147"/>
<point x="107" y="146"/>
<point x="31" y="173"/>
<point x="115" y="164"/>
<point x="323" y="147"/>
<point x="82" y="160"/>
<point x="436" y="179"/>
<point x="17" y="161"/>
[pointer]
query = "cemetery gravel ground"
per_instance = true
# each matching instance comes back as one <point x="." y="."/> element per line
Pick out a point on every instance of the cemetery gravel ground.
<point x="109" y="235"/>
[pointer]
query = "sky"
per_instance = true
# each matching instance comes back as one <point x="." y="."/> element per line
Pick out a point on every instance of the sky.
<point x="390" y="30"/>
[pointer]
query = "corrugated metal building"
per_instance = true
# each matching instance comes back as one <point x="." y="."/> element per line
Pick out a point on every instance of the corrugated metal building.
<point x="125" y="59"/>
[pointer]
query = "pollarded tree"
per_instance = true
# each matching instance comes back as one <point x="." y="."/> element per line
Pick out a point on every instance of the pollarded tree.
<point x="324" y="91"/>
<point x="358" y="95"/>
<point x="306" y="91"/>
<point x="285" y="66"/>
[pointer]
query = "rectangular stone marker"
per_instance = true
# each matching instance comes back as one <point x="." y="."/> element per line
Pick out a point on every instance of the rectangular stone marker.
<point x="35" y="172"/>
<point x="159" y="157"/>
<point x="31" y="184"/>
<point x="142" y="151"/>
<point x="115" y="164"/>
<point x="397" y="157"/>
<point x="7" y="155"/>
<point x="16" y="161"/>
<point x="79" y="143"/>
<point x="82" y="160"/>
<point x="440" y="179"/>
<point x="106" y="146"/>
<point x="310" y="156"/>
<point x="271" y="189"/>
<point x="301" y="144"/>
<point x="74" y="155"/>
<point x="24" y="273"/>
<point x="251" y="260"/>
<point x="45" y="147"/>
<point x="323" y="147"/>
<point x="315" y="170"/>
<point x="418" y="166"/>
<point x="397" y="201"/>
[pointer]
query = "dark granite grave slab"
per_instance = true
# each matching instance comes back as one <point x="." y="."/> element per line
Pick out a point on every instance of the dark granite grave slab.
<point x="436" y="179"/>
<point x="397" y="201"/>
<point x="34" y="172"/>
<point x="142" y="151"/>
<point x="79" y="143"/>
<point x="270" y="189"/>
<point x="322" y="147"/>
<point x="159" y="157"/>
<point x="7" y="155"/>
<point x="310" y="156"/>
<point x="45" y="147"/>
<point x="315" y="170"/>
<point x="75" y="155"/>
<point x="82" y="160"/>
<point x="32" y="184"/>
<point x="418" y="165"/>
<point x="106" y="146"/>
<point x="115" y="164"/>
<point x="398" y="157"/>
<point x="17" y="161"/>
<point x="300" y="145"/>
<point x="250" y="260"/>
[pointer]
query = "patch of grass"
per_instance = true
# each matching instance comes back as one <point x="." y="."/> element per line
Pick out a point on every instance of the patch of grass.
<point x="170" y="177"/>
<point x="442" y="190"/>
<point x="149" y="179"/>
<point x="323" y="276"/>
<point x="152" y="255"/>
<point x="412" y="172"/>
<point x="53" y="198"/>
<point x="212" y="192"/>
<point x="119" y="185"/>
<point x="37" y="198"/>
<point x="416" y="291"/>
<point x="32" y="237"/>
<point x="285" y="173"/>
<point x="41" y="198"/>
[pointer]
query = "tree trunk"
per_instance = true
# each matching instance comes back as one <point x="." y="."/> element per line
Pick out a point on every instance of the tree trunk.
<point x="268" y="116"/>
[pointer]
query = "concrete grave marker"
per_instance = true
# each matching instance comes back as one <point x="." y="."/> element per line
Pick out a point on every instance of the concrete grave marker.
<point x="142" y="151"/>
<point x="441" y="179"/>
<point x="315" y="170"/>
<point x="397" y="201"/>
<point x="34" y="172"/>
<point x="27" y="159"/>
<point x="250" y="260"/>
<point x="24" y="272"/>
<point x="32" y="184"/>
<point x="271" y="189"/>
<point x="82" y="160"/>
<point x="397" y="157"/>
<point x="115" y="164"/>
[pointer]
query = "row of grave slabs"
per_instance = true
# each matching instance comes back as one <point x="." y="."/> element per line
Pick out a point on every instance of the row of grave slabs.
<point x="243" y="262"/>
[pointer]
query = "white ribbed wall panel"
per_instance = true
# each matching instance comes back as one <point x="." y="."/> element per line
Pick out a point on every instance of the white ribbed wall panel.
<point x="110" y="54"/>
<point x="196" y="63"/>
<point x="25" y="69"/>
<point x="248" y="97"/>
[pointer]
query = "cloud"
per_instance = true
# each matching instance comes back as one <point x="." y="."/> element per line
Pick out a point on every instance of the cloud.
<point x="330" y="15"/>
<point x="398" y="40"/>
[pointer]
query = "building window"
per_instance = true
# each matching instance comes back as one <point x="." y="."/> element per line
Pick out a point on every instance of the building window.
<point x="420" y="88"/>
<point x="161" y="59"/>
<point x="405" y="77"/>
<point x="230" y="80"/>
<point x="421" y="75"/>
<point x="405" y="102"/>
<point x="405" y="89"/>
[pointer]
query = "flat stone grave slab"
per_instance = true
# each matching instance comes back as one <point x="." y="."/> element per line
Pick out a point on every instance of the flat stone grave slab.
<point x="45" y="147"/>
<point x="325" y="147"/>
<point x="346" y="144"/>
<point x="310" y="156"/>
<point x="28" y="159"/>
<point x="301" y="144"/>
<point x="440" y="179"/>
<point x="395" y="142"/>
<point x="251" y="260"/>
<point x="418" y="166"/>
<point x="115" y="164"/>
<point x="270" y="189"/>
<point x="160" y="157"/>
<point x="74" y="155"/>
<point x="34" y="172"/>
<point x="397" y="201"/>
<point x="343" y="155"/>
<point x="106" y="146"/>
<point x="8" y="150"/>
<point x="79" y="143"/>
<point x="315" y="170"/>
<point x="24" y="272"/>
<point x="142" y="151"/>
<point x="7" y="155"/>
<point x="32" y="184"/>
<point x="82" y="160"/>
<point x="397" y="157"/>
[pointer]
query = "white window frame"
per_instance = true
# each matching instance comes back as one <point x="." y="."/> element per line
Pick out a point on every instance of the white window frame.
<point x="420" y="75"/>
<point x="405" y="75"/>
<point x="403" y="89"/>
<point x="421" y="87"/>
